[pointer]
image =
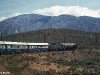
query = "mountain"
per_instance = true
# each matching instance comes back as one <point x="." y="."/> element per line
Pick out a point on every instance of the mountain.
<point x="31" y="22"/>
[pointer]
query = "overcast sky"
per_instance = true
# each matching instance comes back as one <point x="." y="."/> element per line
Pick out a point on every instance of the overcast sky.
<point x="10" y="8"/>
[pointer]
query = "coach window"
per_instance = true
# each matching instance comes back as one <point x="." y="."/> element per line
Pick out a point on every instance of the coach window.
<point x="8" y="46"/>
<point x="32" y="46"/>
<point x="11" y="46"/>
<point x="46" y="46"/>
<point x="18" y="46"/>
<point x="2" y="46"/>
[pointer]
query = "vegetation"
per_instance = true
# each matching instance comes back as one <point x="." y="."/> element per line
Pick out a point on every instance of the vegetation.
<point x="15" y="63"/>
<point x="82" y="62"/>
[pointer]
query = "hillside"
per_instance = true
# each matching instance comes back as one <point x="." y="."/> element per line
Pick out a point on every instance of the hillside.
<point x="79" y="62"/>
<point x="83" y="61"/>
<point x="31" y="22"/>
<point x="84" y="40"/>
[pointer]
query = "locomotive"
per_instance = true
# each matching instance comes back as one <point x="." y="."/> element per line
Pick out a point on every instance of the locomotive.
<point x="20" y="47"/>
<point x="62" y="46"/>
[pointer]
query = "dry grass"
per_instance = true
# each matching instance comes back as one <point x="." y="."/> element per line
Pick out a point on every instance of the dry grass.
<point x="57" y="63"/>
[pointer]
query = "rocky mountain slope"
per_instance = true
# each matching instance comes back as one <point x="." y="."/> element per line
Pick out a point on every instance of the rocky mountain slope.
<point x="31" y="22"/>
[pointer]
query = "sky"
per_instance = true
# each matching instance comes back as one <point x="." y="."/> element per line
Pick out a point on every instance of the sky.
<point x="11" y="8"/>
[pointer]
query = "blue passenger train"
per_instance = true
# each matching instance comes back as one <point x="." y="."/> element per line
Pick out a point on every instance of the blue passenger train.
<point x="20" y="47"/>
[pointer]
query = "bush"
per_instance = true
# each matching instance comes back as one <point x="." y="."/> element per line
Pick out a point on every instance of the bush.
<point x="12" y="64"/>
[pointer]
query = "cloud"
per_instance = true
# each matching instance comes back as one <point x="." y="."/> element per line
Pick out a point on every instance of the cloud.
<point x="12" y="15"/>
<point x="15" y="14"/>
<point x="2" y="18"/>
<point x="58" y="10"/>
<point x="72" y="10"/>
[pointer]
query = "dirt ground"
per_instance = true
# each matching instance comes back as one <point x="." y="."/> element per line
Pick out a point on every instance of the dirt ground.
<point x="57" y="63"/>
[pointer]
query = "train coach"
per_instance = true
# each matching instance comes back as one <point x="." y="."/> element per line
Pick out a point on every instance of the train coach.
<point x="20" y="47"/>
